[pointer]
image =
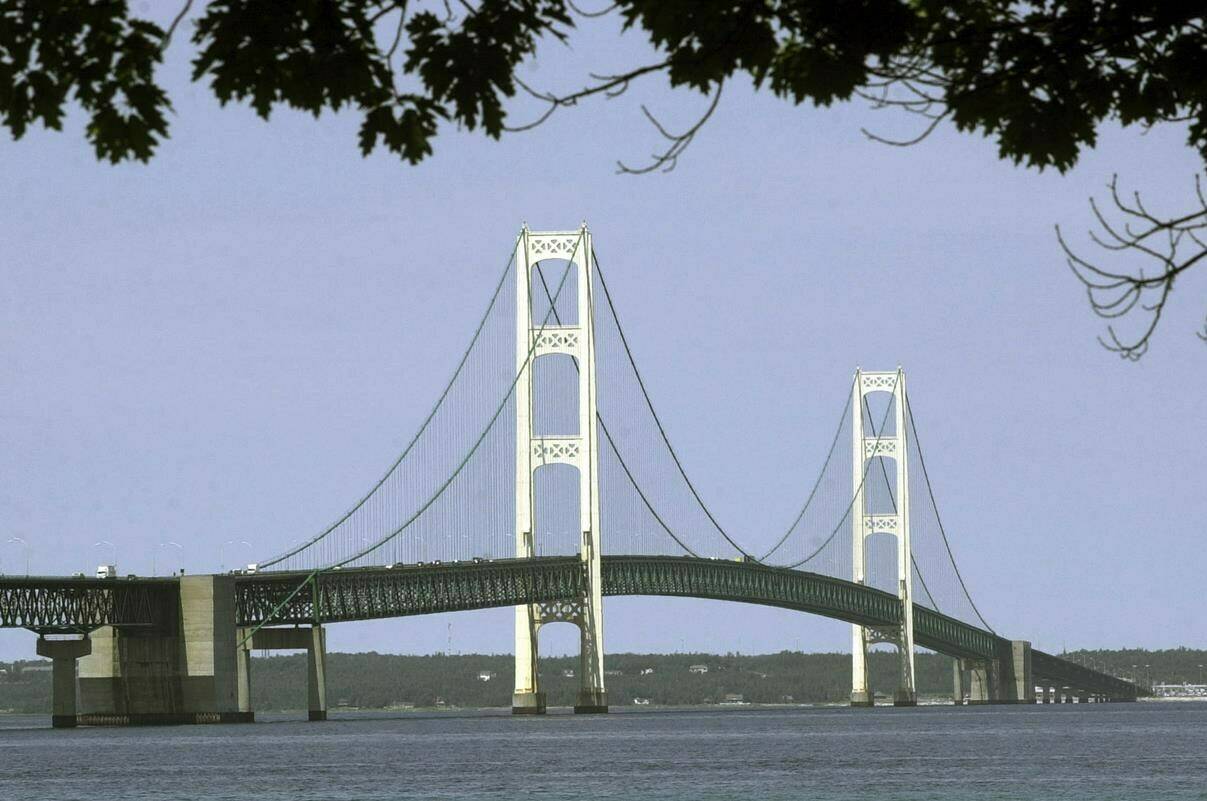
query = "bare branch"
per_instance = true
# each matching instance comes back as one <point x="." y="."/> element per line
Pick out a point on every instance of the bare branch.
<point x="927" y="131"/>
<point x="610" y="85"/>
<point x="666" y="160"/>
<point x="1114" y="295"/>
<point x="402" y="18"/>
<point x="604" y="12"/>
<point x="180" y="15"/>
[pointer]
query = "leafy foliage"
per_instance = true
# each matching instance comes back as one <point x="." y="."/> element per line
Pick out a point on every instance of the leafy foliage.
<point x="91" y="51"/>
<point x="1039" y="76"/>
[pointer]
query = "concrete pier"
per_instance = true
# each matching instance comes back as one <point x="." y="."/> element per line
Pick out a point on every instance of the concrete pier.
<point x="312" y="640"/>
<point x="979" y="690"/>
<point x="1018" y="682"/>
<point x="862" y="698"/>
<point x="183" y="669"/>
<point x="957" y="682"/>
<point x="316" y="674"/>
<point x="591" y="702"/>
<point x="64" y="654"/>
<point x="528" y="703"/>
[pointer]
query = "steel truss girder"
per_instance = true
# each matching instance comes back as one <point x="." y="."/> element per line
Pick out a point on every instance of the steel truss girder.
<point x="59" y="604"/>
<point x="367" y="593"/>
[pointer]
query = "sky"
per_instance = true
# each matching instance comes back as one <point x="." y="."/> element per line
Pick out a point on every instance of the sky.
<point x="230" y="344"/>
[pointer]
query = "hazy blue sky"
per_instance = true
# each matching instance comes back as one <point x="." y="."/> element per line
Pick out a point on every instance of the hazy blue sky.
<point x="233" y="341"/>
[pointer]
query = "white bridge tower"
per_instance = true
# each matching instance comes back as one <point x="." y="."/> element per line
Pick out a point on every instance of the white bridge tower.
<point x="865" y="523"/>
<point x="535" y="339"/>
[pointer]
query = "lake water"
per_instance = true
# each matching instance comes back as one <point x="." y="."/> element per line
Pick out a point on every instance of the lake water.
<point x="1099" y="751"/>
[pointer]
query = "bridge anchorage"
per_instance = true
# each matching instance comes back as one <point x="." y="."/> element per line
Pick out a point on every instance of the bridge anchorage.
<point x="589" y="511"/>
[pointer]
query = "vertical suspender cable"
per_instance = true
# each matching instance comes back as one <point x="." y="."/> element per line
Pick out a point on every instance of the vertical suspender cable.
<point x="658" y="422"/>
<point x="930" y="491"/>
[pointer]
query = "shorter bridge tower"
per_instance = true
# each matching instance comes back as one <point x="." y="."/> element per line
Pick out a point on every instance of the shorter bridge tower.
<point x="536" y="338"/>
<point x="867" y="447"/>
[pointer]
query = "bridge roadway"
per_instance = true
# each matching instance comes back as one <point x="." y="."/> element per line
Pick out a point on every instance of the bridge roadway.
<point x="80" y="604"/>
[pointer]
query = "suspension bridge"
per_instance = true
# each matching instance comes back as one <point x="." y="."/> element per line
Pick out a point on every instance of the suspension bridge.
<point x="543" y="479"/>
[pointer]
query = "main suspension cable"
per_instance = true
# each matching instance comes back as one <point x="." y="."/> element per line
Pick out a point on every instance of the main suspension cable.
<point x="477" y="443"/>
<point x="889" y="488"/>
<point x="909" y="413"/>
<point x="846" y="407"/>
<point x="422" y="428"/>
<point x="850" y="506"/>
<point x="657" y="421"/>
<point x="603" y="426"/>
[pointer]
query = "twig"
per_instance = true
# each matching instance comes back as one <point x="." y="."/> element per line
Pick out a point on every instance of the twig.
<point x="180" y="15"/>
<point x="669" y="158"/>
<point x="1114" y="295"/>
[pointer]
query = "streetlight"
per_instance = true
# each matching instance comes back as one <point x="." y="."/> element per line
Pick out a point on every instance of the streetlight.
<point x="24" y="548"/>
<point x="1148" y="678"/>
<point x="112" y="552"/>
<point x="222" y="548"/>
<point x="155" y="555"/>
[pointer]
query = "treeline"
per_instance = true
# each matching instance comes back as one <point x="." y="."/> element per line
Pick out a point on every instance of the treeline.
<point x="23" y="690"/>
<point x="377" y="681"/>
<point x="1170" y="666"/>
<point x="372" y="680"/>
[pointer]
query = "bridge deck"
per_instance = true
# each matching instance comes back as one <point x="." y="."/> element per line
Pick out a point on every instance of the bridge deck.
<point x="81" y="604"/>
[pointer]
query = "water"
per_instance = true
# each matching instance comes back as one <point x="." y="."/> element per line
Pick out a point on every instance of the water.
<point x="1108" y="751"/>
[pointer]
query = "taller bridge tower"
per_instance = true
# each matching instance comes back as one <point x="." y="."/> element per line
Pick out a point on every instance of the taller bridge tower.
<point x="871" y="446"/>
<point x="535" y="339"/>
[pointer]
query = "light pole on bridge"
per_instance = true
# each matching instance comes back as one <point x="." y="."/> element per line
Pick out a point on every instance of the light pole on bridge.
<point x="222" y="550"/>
<point x="155" y="554"/>
<point x="112" y="551"/>
<point x="24" y="547"/>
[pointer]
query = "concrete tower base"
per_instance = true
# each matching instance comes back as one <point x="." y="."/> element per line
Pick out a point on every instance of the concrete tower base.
<point x="528" y="704"/>
<point x="591" y="702"/>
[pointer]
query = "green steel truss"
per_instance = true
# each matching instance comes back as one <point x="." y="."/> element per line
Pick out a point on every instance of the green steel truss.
<point x="1054" y="671"/>
<point x="366" y="593"/>
<point x="50" y="604"/>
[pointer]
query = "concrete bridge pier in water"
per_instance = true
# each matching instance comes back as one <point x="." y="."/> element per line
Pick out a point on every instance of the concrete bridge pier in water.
<point x="191" y="665"/>
<point x="311" y="639"/>
<point x="63" y="653"/>
<point x="180" y="668"/>
<point x="1004" y="679"/>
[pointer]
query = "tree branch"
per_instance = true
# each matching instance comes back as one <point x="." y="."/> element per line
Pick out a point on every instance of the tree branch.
<point x="609" y="85"/>
<point x="1116" y="294"/>
<point x="180" y="15"/>
<point x="667" y="159"/>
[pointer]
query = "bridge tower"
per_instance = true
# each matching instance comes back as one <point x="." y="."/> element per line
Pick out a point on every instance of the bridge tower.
<point x="536" y="338"/>
<point x="865" y="522"/>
